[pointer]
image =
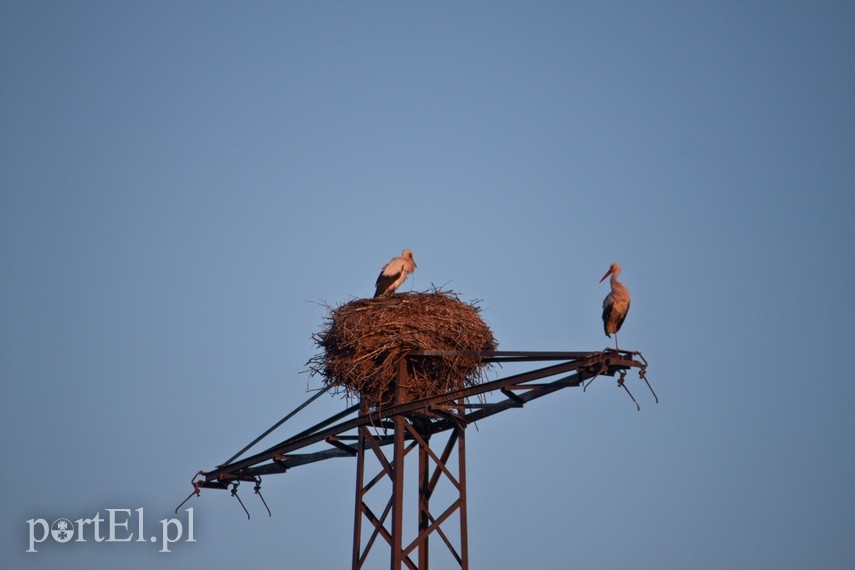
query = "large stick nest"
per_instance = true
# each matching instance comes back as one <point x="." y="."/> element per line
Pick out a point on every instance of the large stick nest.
<point x="363" y="341"/>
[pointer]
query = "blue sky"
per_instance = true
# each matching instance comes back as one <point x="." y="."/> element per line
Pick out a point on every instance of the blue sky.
<point x="184" y="186"/>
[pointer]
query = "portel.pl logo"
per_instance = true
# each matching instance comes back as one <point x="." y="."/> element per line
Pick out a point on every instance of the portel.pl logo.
<point x="119" y="525"/>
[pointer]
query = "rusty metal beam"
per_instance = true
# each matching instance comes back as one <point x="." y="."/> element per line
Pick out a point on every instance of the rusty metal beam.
<point x="413" y="422"/>
<point x="516" y="390"/>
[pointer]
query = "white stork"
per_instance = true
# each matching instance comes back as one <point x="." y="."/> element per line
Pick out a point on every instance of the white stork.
<point x="616" y="303"/>
<point x="395" y="273"/>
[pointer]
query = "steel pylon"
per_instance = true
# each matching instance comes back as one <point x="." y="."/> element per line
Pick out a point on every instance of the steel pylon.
<point x="411" y="444"/>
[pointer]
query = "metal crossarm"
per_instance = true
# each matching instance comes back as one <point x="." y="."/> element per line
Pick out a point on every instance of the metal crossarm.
<point x="509" y="392"/>
<point x="405" y="426"/>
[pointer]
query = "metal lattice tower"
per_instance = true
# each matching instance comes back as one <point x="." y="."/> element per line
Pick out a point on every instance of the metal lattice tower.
<point x="412" y="436"/>
<point x="384" y="440"/>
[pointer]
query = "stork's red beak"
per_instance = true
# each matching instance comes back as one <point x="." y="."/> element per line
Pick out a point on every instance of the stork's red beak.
<point x="609" y="272"/>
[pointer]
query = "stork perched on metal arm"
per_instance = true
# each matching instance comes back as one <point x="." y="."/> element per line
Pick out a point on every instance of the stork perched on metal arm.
<point x="616" y="303"/>
<point x="615" y="308"/>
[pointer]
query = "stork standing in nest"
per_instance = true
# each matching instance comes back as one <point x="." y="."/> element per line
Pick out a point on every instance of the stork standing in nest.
<point x="616" y="303"/>
<point x="394" y="273"/>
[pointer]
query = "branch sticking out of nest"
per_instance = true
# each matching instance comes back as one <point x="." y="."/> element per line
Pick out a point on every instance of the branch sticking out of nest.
<point x="363" y="340"/>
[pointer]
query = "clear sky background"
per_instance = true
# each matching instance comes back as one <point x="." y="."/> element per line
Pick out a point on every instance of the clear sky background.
<point x="183" y="185"/>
